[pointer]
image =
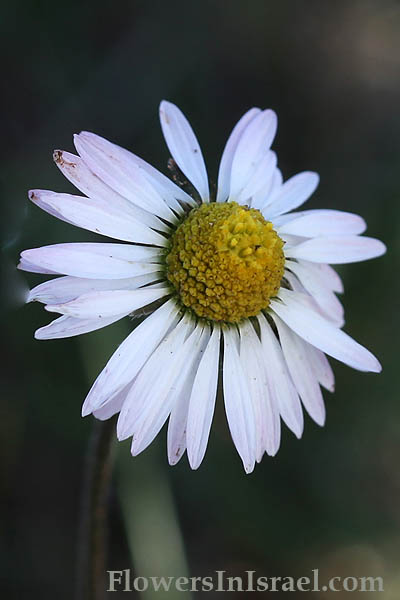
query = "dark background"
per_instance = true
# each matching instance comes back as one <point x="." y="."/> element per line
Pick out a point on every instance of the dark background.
<point x="331" y="71"/>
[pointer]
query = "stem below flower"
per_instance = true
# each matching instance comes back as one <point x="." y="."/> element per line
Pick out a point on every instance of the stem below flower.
<point x="92" y="539"/>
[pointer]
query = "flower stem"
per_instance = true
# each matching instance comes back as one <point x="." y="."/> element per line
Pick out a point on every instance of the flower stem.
<point x="92" y="539"/>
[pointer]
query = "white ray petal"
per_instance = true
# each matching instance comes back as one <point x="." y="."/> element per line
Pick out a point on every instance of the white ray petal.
<point x="301" y="371"/>
<point x="65" y="289"/>
<point x="150" y="421"/>
<point x="184" y="147"/>
<point x="26" y="265"/>
<point x="94" y="260"/>
<point x="128" y="180"/>
<point x="262" y="200"/>
<point x="146" y="407"/>
<point x="166" y="188"/>
<point x="251" y="149"/>
<point x="283" y="392"/>
<point x="238" y="406"/>
<point x="202" y="401"/>
<point x="327" y="274"/>
<point x="294" y="282"/>
<point x="336" y="317"/>
<point x="337" y="249"/>
<point x="66" y="326"/>
<point x="112" y="407"/>
<point x="102" y="305"/>
<point x="321" y="367"/>
<point x="260" y="181"/>
<point x="79" y="174"/>
<point x="177" y="425"/>
<point x="292" y="194"/>
<point x="317" y="223"/>
<point x="225" y="167"/>
<point x="97" y="217"/>
<point x="325" y="298"/>
<point x="277" y="182"/>
<point x="320" y="333"/>
<point x="266" y="413"/>
<point x="130" y="356"/>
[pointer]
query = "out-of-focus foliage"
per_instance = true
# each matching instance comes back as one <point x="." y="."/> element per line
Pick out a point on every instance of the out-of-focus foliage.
<point x="331" y="71"/>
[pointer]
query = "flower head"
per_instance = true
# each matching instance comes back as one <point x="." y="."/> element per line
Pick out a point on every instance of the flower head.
<point x="238" y="279"/>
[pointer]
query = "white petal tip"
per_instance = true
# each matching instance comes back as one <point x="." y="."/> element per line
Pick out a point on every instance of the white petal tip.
<point x="369" y="364"/>
<point x="377" y="367"/>
<point x="249" y="468"/>
<point x="33" y="195"/>
<point x="194" y="463"/>
<point x="380" y="248"/>
<point x="57" y="156"/>
<point x="320" y="420"/>
<point x="86" y="411"/>
<point x="165" y="104"/>
<point x="121" y="435"/>
<point x="299" y="434"/>
<point x="175" y="455"/>
<point x="137" y="447"/>
<point x="271" y="453"/>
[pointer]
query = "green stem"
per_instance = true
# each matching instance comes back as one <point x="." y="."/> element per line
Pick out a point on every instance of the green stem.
<point x="92" y="539"/>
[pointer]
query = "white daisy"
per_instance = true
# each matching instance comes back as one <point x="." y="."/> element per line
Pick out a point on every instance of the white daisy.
<point x="237" y="281"/>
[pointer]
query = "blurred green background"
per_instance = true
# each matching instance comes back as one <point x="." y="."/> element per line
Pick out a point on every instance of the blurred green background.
<point x="331" y="71"/>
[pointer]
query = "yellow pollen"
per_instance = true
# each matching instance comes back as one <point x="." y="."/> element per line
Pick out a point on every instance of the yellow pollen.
<point x="225" y="261"/>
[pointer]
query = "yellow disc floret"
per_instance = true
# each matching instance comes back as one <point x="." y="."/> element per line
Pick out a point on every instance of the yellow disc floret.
<point x="225" y="261"/>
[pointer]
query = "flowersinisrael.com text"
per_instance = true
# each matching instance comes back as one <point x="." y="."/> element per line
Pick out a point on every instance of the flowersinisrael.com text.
<point x="220" y="581"/>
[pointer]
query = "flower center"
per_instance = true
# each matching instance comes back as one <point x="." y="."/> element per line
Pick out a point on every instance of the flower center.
<point x="225" y="261"/>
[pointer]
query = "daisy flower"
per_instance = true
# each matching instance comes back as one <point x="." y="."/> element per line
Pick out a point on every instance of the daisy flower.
<point x="235" y="289"/>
